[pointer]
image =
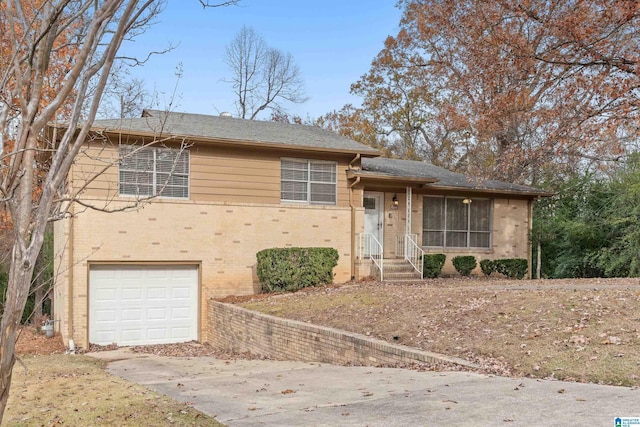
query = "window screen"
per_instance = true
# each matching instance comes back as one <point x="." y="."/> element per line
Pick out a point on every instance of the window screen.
<point x="450" y="222"/>
<point x="151" y="171"/>
<point x="310" y="181"/>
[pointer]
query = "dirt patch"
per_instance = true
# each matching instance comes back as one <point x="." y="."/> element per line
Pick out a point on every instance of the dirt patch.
<point x="185" y="349"/>
<point x="577" y="330"/>
<point x="31" y="340"/>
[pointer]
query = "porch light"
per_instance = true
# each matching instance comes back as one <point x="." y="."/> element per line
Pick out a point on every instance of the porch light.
<point x="395" y="200"/>
<point x="466" y="201"/>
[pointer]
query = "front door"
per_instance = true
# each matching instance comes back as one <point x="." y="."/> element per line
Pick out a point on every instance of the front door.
<point x="373" y="217"/>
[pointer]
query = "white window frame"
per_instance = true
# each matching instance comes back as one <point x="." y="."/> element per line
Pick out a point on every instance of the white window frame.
<point x="156" y="187"/>
<point x="468" y="230"/>
<point x="309" y="182"/>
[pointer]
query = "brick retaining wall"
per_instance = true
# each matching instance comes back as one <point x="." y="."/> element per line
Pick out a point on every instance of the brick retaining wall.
<point x="233" y="328"/>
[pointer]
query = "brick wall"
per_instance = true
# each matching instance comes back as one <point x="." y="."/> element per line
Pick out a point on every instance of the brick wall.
<point x="223" y="238"/>
<point x="233" y="328"/>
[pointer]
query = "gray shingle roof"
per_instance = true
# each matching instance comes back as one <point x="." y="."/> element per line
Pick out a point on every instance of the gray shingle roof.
<point x="446" y="178"/>
<point x="227" y="128"/>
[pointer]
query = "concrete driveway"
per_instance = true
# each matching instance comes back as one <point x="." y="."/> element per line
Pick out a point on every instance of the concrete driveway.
<point x="269" y="393"/>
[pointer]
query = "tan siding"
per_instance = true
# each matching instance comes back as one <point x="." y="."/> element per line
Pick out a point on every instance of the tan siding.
<point x="239" y="175"/>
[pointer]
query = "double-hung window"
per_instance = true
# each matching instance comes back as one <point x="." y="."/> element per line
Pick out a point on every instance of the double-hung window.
<point x="308" y="181"/>
<point x="456" y="222"/>
<point x="153" y="171"/>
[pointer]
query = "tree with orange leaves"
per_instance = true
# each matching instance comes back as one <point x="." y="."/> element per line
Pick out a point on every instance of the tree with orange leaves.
<point x="516" y="89"/>
<point x="56" y="57"/>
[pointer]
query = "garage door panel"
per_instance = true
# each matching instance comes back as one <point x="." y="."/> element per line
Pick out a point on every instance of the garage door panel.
<point x="106" y="315"/>
<point x="107" y="336"/>
<point x="181" y="292"/>
<point x="180" y="332"/>
<point x="133" y="305"/>
<point x="105" y="294"/>
<point x="131" y="336"/>
<point x="156" y="293"/>
<point x="132" y="294"/>
<point x="130" y="273"/>
<point x="132" y="314"/>
<point x="180" y="313"/>
<point x="157" y="334"/>
<point x="161" y="274"/>
<point x="157" y="314"/>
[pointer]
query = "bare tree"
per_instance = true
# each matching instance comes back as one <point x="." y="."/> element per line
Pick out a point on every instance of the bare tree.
<point x="56" y="57"/>
<point x="263" y="77"/>
<point x="125" y="97"/>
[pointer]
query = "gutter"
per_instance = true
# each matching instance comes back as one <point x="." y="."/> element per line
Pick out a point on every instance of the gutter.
<point x="493" y="191"/>
<point x="353" y="224"/>
<point x="386" y="177"/>
<point x="232" y="142"/>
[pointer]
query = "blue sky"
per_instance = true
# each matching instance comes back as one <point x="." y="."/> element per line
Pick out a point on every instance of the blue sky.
<point x="332" y="41"/>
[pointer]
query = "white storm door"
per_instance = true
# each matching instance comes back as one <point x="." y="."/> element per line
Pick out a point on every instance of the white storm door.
<point x="142" y="304"/>
<point x="373" y="217"/>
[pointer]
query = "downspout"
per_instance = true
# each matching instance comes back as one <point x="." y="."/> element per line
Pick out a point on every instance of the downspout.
<point x="70" y="281"/>
<point x="529" y="235"/>
<point x="353" y="228"/>
<point x="355" y="159"/>
<point x="353" y="218"/>
<point x="70" y="249"/>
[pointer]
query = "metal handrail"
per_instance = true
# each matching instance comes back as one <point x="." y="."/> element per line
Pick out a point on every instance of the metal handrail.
<point x="401" y="243"/>
<point x="370" y="247"/>
<point x="414" y="253"/>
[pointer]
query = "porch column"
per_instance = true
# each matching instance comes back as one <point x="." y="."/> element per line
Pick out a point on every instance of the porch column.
<point x="407" y="229"/>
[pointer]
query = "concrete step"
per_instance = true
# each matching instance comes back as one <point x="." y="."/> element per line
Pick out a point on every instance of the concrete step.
<point x="392" y="277"/>
<point x="399" y="269"/>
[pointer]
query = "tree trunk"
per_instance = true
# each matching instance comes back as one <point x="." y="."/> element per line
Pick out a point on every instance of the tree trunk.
<point x="22" y="264"/>
<point x="39" y="296"/>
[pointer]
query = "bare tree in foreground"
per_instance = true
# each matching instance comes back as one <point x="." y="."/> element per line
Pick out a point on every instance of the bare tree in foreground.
<point x="263" y="77"/>
<point x="35" y="38"/>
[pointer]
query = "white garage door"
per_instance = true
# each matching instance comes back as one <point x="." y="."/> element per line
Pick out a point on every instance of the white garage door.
<point x="133" y="305"/>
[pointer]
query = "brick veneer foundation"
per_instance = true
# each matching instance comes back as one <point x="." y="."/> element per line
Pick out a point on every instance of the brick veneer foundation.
<point x="233" y="328"/>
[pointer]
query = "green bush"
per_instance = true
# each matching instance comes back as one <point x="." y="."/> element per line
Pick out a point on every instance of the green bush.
<point x="487" y="266"/>
<point x="514" y="268"/>
<point x="290" y="269"/>
<point x="432" y="265"/>
<point x="464" y="264"/>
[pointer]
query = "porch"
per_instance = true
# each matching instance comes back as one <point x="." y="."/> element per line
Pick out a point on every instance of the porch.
<point x="388" y="249"/>
<point x="401" y="268"/>
<point x="411" y="207"/>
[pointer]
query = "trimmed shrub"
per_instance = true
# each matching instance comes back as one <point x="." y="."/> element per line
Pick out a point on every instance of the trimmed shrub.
<point x="514" y="268"/>
<point x="464" y="264"/>
<point x="432" y="265"/>
<point x="290" y="269"/>
<point x="487" y="266"/>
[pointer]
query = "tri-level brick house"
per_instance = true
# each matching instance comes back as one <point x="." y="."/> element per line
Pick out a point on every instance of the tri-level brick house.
<point x="227" y="188"/>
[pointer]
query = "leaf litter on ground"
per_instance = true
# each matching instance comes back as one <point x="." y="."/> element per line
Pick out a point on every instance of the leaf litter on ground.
<point x="585" y="330"/>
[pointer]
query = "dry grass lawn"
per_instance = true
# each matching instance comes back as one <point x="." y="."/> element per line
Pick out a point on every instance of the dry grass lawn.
<point x="57" y="389"/>
<point x="576" y="330"/>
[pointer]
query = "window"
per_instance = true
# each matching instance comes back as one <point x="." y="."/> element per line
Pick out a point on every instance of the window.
<point x="151" y="171"/>
<point x="310" y="181"/>
<point x="454" y="222"/>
